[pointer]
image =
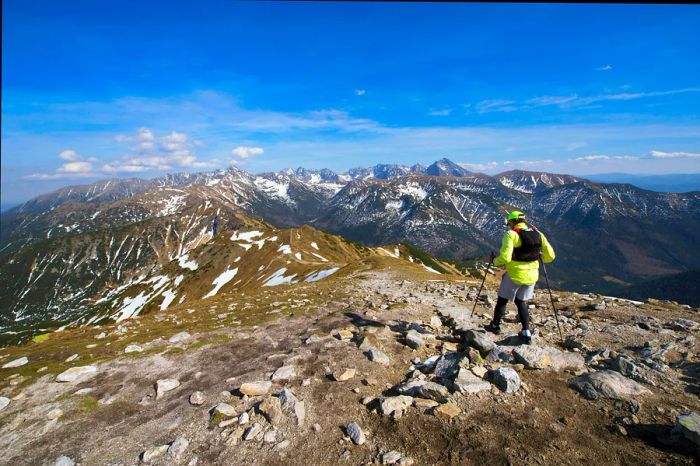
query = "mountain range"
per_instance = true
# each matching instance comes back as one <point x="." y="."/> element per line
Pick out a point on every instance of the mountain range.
<point x="83" y="253"/>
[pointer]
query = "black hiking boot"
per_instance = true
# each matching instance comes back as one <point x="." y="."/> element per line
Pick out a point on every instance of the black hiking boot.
<point x="493" y="329"/>
<point x="526" y="339"/>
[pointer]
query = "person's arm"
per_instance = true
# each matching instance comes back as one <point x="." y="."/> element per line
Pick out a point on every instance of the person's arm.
<point x="547" y="250"/>
<point x="506" y="250"/>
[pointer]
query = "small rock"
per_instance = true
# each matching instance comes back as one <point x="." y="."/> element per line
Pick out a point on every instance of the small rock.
<point x="600" y="305"/>
<point x="72" y="358"/>
<point x="198" y="398"/>
<point x="435" y="322"/>
<point x="153" y="453"/>
<point x="270" y="408"/>
<point x="448" y="365"/>
<point x="379" y="357"/>
<point x="479" y="341"/>
<point x="252" y="431"/>
<point x="479" y="371"/>
<point x="467" y="382"/>
<point x="284" y="373"/>
<point x="346" y="375"/>
<point x="395" y="405"/>
<point x="270" y="436"/>
<point x="506" y="379"/>
<point x="165" y="385"/>
<point x="424" y="404"/>
<point x="256" y="388"/>
<point x="343" y="335"/>
<point x="391" y="457"/>
<point x="414" y="339"/>
<point x="225" y="409"/>
<point x="317" y="428"/>
<point x="405" y="461"/>
<point x="292" y="406"/>
<point x="447" y="411"/>
<point x="355" y="433"/>
<point x="178" y="448"/>
<point x="4" y="402"/>
<point x="16" y="363"/>
<point x="282" y="445"/>
<point x="179" y="337"/>
<point x="474" y="356"/>
<point x="133" y="349"/>
<point x="64" y="460"/>
<point x="77" y="374"/>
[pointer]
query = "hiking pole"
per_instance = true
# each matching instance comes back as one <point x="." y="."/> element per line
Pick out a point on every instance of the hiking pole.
<point x="556" y="315"/>
<point x="482" y="283"/>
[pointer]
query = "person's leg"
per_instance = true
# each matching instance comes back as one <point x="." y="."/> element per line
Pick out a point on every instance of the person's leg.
<point x="523" y="313"/>
<point x="498" y="312"/>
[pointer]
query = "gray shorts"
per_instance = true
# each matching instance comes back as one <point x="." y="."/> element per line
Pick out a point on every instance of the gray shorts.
<point x="510" y="290"/>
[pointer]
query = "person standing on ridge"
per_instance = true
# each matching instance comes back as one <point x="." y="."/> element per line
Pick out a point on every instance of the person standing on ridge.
<point x="521" y="249"/>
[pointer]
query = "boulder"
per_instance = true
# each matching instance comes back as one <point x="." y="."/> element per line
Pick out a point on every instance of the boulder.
<point x="271" y="409"/>
<point x="414" y="339"/>
<point x="395" y="405"/>
<point x="261" y="387"/>
<point x="77" y="374"/>
<point x="500" y="354"/>
<point x="165" y="385"/>
<point x="355" y="433"/>
<point x="448" y="365"/>
<point x="506" y="379"/>
<point x="153" y="453"/>
<point x="292" y="406"/>
<point x="284" y="373"/>
<point x="16" y="363"/>
<point x="607" y="384"/>
<point x="178" y="448"/>
<point x="378" y="356"/>
<point x="533" y="357"/>
<point x="689" y="426"/>
<point x="467" y="382"/>
<point x="225" y="409"/>
<point x="542" y="357"/>
<point x="479" y="340"/>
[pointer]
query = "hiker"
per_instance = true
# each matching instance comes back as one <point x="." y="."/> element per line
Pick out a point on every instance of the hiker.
<point x="521" y="249"/>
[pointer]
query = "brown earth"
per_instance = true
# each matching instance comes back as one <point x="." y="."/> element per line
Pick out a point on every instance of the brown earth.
<point x="546" y="422"/>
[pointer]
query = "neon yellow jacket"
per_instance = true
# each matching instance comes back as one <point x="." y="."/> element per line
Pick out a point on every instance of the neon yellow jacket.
<point x="522" y="273"/>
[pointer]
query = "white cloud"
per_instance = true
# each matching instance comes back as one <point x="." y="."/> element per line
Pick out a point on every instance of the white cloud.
<point x="360" y="91"/>
<point x="575" y="145"/>
<point x="68" y="155"/>
<point x="672" y="155"/>
<point x="442" y="112"/>
<point x="594" y="157"/>
<point x="479" y="167"/>
<point x="151" y="153"/>
<point x="76" y="167"/>
<point x="571" y="101"/>
<point x="604" y="68"/>
<point x="527" y="162"/>
<point x="244" y="152"/>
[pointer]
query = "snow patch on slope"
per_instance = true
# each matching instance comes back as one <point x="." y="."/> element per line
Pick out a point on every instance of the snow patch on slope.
<point x="225" y="277"/>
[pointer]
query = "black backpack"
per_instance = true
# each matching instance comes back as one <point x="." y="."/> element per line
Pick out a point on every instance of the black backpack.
<point x="531" y="246"/>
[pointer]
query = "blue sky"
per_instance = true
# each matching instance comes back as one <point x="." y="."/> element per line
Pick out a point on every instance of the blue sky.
<point x="102" y="89"/>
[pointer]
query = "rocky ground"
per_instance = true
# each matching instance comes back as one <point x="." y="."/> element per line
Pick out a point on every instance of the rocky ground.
<point x="379" y="366"/>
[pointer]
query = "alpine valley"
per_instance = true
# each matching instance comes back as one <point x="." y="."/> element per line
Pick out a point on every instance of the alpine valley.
<point x="117" y="248"/>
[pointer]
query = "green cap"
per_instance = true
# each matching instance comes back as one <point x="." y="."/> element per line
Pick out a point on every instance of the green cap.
<point x="516" y="215"/>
